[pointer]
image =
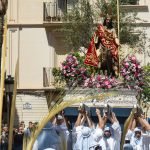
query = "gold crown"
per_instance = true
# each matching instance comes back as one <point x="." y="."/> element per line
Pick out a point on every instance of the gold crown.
<point x="114" y="17"/>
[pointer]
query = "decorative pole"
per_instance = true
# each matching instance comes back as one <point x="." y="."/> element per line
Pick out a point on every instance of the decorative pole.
<point x="2" y="78"/>
<point x="118" y="20"/>
<point x="13" y="104"/>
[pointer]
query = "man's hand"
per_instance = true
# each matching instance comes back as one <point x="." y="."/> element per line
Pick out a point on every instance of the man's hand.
<point x="98" y="112"/>
<point x="82" y="111"/>
<point x="87" y="113"/>
<point x="113" y="118"/>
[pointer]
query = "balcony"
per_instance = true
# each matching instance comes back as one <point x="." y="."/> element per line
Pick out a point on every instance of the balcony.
<point x="49" y="80"/>
<point x="129" y="2"/>
<point x="54" y="10"/>
<point x="134" y="5"/>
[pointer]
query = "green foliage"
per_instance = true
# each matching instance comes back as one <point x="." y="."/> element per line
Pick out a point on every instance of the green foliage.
<point x="57" y="75"/>
<point x="79" y="27"/>
<point x="129" y="33"/>
<point x="146" y="87"/>
<point x="90" y="69"/>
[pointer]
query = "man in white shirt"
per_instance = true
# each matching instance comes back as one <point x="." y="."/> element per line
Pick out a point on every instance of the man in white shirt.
<point x="112" y="134"/>
<point x="87" y="137"/>
<point x="139" y="138"/>
<point x="136" y="139"/>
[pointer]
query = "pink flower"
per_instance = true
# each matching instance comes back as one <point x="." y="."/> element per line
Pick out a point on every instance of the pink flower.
<point x="134" y="70"/>
<point x="133" y="58"/>
<point x="98" y="77"/>
<point x="127" y="77"/>
<point x="139" y="67"/>
<point x="98" y="85"/>
<point x="108" y="86"/>
<point x="126" y="64"/>
<point x="136" y="74"/>
<point x="106" y="82"/>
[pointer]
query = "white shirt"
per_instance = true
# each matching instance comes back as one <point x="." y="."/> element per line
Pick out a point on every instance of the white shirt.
<point x="86" y="138"/>
<point x="139" y="144"/>
<point x="113" y="143"/>
<point x="82" y="138"/>
<point x="97" y="137"/>
<point x="35" y="146"/>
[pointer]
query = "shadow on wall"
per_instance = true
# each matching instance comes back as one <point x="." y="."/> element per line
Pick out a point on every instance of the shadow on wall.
<point x="56" y="40"/>
<point x="17" y="119"/>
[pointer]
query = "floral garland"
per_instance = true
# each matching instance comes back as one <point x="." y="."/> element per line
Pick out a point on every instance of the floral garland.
<point x="75" y="73"/>
<point x="132" y="72"/>
<point x="100" y="81"/>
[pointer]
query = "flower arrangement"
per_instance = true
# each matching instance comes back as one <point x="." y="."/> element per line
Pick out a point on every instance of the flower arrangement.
<point x="73" y="72"/>
<point x="99" y="81"/>
<point x="132" y="72"/>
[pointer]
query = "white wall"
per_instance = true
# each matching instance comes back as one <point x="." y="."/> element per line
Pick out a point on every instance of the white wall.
<point x="34" y="55"/>
<point x="35" y="47"/>
<point x="25" y="11"/>
<point x="37" y="112"/>
<point x="34" y="51"/>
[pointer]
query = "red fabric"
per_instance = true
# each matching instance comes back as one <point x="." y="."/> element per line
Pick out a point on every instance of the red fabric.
<point x="91" y="55"/>
<point x="107" y="40"/>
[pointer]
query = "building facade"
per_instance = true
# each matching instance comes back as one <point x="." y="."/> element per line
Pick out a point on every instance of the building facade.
<point x="32" y="39"/>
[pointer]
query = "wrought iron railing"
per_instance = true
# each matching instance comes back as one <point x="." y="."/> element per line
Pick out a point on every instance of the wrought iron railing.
<point x="129" y="2"/>
<point x="51" y="81"/>
<point x="54" y="10"/>
<point x="48" y="79"/>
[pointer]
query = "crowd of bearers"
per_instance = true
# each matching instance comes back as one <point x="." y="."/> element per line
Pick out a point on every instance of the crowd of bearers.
<point x="138" y="135"/>
<point x="85" y="134"/>
<point x="101" y="137"/>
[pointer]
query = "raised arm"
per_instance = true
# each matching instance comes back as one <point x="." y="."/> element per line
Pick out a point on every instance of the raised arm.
<point x="101" y="121"/>
<point x="89" y="120"/>
<point x="116" y="126"/>
<point x="132" y="124"/>
<point x="143" y="123"/>
<point x="78" y="121"/>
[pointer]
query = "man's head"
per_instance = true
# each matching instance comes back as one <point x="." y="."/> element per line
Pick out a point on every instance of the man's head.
<point x="137" y="133"/>
<point x="21" y="130"/>
<point x="107" y="132"/>
<point x="86" y="132"/>
<point x="30" y="124"/>
<point x="98" y="148"/>
<point x="108" y="22"/>
<point x="59" y="119"/>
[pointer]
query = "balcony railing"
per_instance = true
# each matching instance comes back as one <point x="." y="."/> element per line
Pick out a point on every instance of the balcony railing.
<point x="48" y="79"/>
<point x="129" y="2"/>
<point x="134" y="5"/>
<point x="54" y="10"/>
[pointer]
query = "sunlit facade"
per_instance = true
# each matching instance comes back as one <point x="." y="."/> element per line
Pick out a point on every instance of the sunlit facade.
<point x="31" y="38"/>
